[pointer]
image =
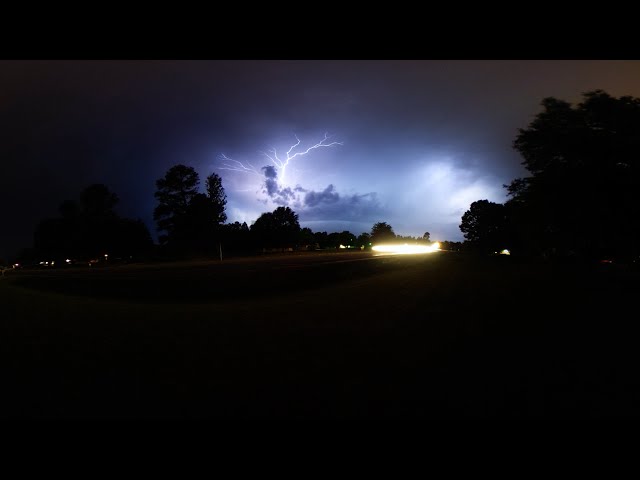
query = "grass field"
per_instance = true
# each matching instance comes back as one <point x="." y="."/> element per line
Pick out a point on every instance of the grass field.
<point x="320" y="335"/>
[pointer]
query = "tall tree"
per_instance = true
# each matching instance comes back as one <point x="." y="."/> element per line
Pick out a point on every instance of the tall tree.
<point x="382" y="232"/>
<point x="217" y="198"/>
<point x="175" y="191"/>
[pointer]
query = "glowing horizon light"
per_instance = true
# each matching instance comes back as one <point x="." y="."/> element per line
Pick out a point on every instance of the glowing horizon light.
<point x="505" y="252"/>
<point x="406" y="249"/>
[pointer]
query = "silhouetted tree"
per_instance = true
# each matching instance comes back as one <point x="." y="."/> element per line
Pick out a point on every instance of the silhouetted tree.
<point x="584" y="188"/>
<point x="217" y="198"/>
<point x="382" y="232"/>
<point x="277" y="229"/>
<point x="485" y="227"/>
<point x="193" y="221"/>
<point x="174" y="193"/>
<point x="427" y="236"/>
<point x="196" y="230"/>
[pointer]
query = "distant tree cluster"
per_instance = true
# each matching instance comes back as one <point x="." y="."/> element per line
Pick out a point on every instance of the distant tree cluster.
<point x="89" y="228"/>
<point x="190" y="224"/>
<point x="194" y="223"/>
<point x="582" y="197"/>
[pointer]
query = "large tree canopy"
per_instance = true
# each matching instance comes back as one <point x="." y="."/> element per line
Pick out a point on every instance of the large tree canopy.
<point x="484" y="226"/>
<point x="583" y="194"/>
<point x="382" y="232"/>
<point x="279" y="228"/>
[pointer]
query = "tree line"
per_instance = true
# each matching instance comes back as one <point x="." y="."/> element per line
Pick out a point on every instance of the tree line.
<point x="189" y="223"/>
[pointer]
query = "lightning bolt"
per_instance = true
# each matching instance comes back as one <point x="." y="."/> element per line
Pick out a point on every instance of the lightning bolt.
<point x="236" y="166"/>
<point x="280" y="164"/>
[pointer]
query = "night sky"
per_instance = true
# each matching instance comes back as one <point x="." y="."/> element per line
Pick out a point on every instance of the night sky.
<point x="418" y="140"/>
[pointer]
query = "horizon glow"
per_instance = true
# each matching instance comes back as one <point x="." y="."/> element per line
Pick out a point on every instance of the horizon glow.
<point x="405" y="249"/>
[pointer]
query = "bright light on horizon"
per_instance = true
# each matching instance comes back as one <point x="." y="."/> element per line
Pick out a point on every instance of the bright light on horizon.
<point x="404" y="249"/>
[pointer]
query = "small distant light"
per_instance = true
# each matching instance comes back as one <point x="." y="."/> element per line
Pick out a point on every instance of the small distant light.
<point x="68" y="261"/>
<point x="105" y="255"/>
<point x="46" y="263"/>
<point x="342" y="246"/>
<point x="505" y="252"/>
<point x="52" y="262"/>
<point x="41" y="263"/>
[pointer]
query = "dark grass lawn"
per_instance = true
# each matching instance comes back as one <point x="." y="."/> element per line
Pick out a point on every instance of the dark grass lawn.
<point x="313" y="335"/>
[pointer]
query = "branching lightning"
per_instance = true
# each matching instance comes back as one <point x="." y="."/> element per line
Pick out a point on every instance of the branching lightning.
<point x="280" y="164"/>
<point x="237" y="166"/>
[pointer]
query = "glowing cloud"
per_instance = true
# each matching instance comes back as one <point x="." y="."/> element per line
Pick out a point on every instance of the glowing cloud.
<point x="325" y="205"/>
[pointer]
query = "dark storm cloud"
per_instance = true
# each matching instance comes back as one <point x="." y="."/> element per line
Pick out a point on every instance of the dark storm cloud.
<point x="271" y="187"/>
<point x="328" y="195"/>
<point x="270" y="172"/>
<point x="279" y="196"/>
<point x="329" y="205"/>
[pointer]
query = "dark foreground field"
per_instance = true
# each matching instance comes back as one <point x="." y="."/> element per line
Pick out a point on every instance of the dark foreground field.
<point x="321" y="335"/>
